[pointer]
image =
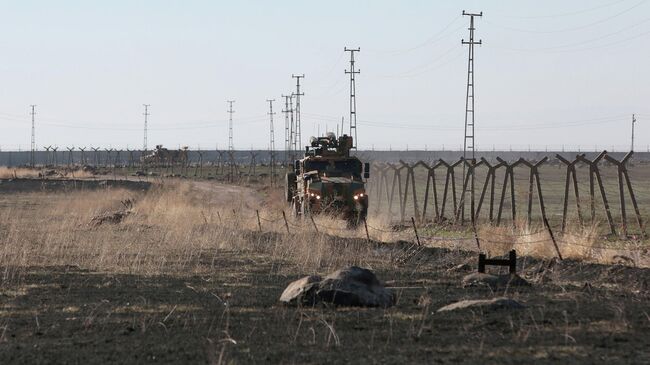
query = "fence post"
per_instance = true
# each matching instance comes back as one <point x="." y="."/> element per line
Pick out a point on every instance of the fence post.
<point x="365" y="224"/>
<point x="431" y="183"/>
<point x="504" y="188"/>
<point x="570" y="175"/>
<point x="623" y="175"/>
<point x="286" y="224"/>
<point x="478" y="243"/>
<point x="634" y="204"/>
<point x="594" y="171"/>
<point x="259" y="223"/>
<point x="313" y="223"/>
<point x="416" y="231"/>
<point x="550" y="232"/>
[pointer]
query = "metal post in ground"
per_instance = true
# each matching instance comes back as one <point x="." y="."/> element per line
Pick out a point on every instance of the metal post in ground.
<point x="286" y="224"/>
<point x="417" y="237"/>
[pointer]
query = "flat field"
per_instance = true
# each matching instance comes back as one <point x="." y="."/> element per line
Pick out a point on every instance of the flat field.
<point x="183" y="272"/>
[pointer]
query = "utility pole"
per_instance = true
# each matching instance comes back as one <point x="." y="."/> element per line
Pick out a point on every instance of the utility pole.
<point x="272" y="139"/>
<point x="633" y="123"/>
<point x="146" y="121"/>
<point x="287" y="132"/>
<point x="298" y="121"/>
<point x="292" y="128"/>
<point x="353" y="95"/>
<point x="469" y="141"/>
<point x="32" y="156"/>
<point x="231" y="146"/>
<point x="271" y="114"/>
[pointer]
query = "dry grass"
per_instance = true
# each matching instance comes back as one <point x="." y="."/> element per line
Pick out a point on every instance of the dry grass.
<point x="27" y="173"/>
<point x="18" y="172"/>
<point x="172" y="228"/>
<point x="178" y="227"/>
<point x="578" y="242"/>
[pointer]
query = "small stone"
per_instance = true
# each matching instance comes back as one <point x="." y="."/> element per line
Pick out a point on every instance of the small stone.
<point x="486" y="304"/>
<point x="461" y="267"/>
<point x="494" y="281"/>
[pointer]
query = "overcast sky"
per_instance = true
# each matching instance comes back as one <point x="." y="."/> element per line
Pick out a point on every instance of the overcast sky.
<point x="549" y="73"/>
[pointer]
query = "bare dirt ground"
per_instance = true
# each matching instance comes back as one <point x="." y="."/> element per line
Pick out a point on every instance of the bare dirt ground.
<point x="173" y="283"/>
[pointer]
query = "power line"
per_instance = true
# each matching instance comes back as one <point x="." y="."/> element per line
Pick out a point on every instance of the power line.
<point x="431" y="40"/>
<point x="353" y="95"/>
<point x="431" y="65"/>
<point x="572" y="47"/>
<point x="600" y="21"/>
<point x="577" y="12"/>
<point x="497" y="128"/>
<point x="167" y="127"/>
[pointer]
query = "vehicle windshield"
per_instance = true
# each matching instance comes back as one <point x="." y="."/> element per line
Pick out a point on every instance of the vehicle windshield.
<point x="343" y="168"/>
<point x="316" y="165"/>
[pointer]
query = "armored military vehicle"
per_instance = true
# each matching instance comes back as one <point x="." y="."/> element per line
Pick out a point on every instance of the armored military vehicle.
<point x="328" y="180"/>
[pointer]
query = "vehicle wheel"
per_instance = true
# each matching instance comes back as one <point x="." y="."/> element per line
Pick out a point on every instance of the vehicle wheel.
<point x="290" y="186"/>
<point x="357" y="218"/>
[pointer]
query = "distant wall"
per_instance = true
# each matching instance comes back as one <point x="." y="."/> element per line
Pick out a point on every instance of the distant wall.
<point x="21" y="158"/>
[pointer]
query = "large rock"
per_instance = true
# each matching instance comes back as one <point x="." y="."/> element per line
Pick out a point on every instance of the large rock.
<point x="352" y="286"/>
<point x="486" y="304"/>
<point x="494" y="281"/>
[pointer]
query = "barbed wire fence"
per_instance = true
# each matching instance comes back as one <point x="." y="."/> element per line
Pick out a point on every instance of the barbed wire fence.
<point x="413" y="242"/>
<point x="394" y="187"/>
